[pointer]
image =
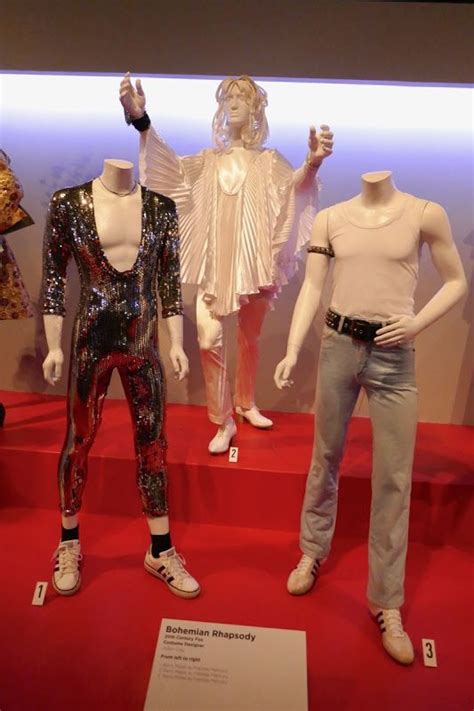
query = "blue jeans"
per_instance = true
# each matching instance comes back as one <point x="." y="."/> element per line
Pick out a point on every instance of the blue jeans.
<point x="388" y="378"/>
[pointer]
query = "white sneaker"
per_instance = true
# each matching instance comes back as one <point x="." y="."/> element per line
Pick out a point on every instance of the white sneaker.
<point x="66" y="576"/>
<point x="254" y="416"/>
<point x="394" y="638"/>
<point x="169" y="567"/>
<point x="221" y="441"/>
<point x="303" y="577"/>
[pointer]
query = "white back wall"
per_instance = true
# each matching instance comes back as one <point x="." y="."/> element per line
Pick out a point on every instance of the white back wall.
<point x="57" y="130"/>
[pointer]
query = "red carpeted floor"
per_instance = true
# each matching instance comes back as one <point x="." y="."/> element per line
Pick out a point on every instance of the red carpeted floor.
<point x="94" y="651"/>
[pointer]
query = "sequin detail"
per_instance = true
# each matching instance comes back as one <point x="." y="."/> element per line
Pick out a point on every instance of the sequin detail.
<point x="115" y="327"/>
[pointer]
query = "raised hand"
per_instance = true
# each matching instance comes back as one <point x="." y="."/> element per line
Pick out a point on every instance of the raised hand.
<point x="320" y="144"/>
<point x="132" y="97"/>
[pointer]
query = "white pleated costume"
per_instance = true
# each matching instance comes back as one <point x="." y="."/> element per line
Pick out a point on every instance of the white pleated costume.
<point x="243" y="222"/>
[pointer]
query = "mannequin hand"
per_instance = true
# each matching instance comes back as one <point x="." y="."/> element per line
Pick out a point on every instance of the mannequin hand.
<point x="132" y="98"/>
<point x="53" y="366"/>
<point x="180" y="362"/>
<point x="400" y="329"/>
<point x="283" y="372"/>
<point x="320" y="145"/>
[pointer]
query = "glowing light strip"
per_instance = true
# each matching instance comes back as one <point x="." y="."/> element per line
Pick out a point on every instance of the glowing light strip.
<point x="446" y="109"/>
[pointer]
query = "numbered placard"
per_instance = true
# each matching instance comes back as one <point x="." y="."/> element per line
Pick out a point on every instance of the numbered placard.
<point x="40" y="593"/>
<point x="429" y="652"/>
<point x="234" y="454"/>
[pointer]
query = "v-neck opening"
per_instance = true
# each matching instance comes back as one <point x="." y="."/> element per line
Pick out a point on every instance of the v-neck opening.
<point x="246" y="171"/>
<point x="102" y="254"/>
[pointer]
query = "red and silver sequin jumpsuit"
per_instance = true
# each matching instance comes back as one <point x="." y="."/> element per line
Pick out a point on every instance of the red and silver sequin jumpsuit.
<point x="115" y="327"/>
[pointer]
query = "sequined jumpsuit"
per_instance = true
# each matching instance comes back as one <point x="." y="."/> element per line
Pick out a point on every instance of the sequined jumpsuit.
<point x="115" y="327"/>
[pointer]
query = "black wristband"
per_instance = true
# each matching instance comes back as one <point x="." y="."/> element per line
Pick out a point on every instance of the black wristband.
<point x="141" y="124"/>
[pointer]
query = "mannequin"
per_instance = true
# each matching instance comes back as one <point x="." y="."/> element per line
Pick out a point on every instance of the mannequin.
<point x="244" y="216"/>
<point x="367" y="342"/>
<point x="14" y="299"/>
<point x="125" y="242"/>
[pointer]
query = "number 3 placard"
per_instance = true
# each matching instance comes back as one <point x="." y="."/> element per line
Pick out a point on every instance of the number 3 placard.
<point x="429" y="653"/>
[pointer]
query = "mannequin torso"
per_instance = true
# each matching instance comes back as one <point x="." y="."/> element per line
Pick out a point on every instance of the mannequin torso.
<point x="117" y="210"/>
<point x="379" y="201"/>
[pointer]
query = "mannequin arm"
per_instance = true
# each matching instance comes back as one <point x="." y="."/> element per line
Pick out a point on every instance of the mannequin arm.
<point x="177" y="355"/>
<point x="436" y="233"/>
<point x="53" y="363"/>
<point x="56" y="254"/>
<point x="320" y="146"/>
<point x="169" y="287"/>
<point x="307" y="304"/>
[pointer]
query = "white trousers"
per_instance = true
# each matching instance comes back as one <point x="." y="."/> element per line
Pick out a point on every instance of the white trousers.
<point x="213" y="338"/>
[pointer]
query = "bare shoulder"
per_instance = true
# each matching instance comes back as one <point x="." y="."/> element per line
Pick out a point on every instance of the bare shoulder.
<point x="435" y="222"/>
<point x="319" y="234"/>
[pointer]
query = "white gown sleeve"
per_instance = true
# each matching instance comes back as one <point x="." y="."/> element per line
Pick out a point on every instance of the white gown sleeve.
<point x="297" y="210"/>
<point x="184" y="179"/>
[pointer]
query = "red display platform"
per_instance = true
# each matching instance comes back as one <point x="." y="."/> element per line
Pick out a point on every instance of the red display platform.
<point x="237" y="526"/>
<point x="263" y="490"/>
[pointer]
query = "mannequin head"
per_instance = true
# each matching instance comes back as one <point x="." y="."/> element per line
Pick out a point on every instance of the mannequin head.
<point x="241" y="111"/>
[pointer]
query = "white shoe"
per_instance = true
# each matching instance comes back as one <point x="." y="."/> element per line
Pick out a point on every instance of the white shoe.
<point x="254" y="416"/>
<point x="169" y="567"/>
<point x="303" y="577"/>
<point x="221" y="441"/>
<point x="66" y="576"/>
<point x="394" y="638"/>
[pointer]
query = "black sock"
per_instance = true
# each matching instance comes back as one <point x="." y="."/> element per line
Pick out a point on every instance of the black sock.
<point x="70" y="534"/>
<point x="160" y="544"/>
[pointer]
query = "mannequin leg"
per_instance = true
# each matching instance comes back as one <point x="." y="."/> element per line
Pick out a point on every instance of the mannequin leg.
<point x="84" y="416"/>
<point x="250" y="322"/>
<point x="212" y="342"/>
<point x="336" y="395"/>
<point x="393" y="411"/>
<point x="212" y="336"/>
<point x="86" y="398"/>
<point x="143" y="383"/>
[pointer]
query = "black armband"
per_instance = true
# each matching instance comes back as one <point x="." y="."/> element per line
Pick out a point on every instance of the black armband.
<point x="141" y="124"/>
<point x="328" y="251"/>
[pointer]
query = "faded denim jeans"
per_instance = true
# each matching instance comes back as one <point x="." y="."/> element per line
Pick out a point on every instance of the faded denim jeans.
<point x="388" y="378"/>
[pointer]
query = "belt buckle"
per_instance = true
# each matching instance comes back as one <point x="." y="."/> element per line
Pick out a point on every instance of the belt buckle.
<point x="359" y="329"/>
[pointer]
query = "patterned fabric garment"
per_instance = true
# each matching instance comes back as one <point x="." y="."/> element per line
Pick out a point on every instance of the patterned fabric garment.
<point x="115" y="326"/>
<point x="11" y="193"/>
<point x="14" y="300"/>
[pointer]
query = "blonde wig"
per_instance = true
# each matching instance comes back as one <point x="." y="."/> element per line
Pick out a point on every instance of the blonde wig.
<point x="255" y="133"/>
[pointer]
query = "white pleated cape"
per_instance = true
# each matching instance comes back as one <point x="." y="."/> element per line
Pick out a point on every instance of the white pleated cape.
<point x="266" y="223"/>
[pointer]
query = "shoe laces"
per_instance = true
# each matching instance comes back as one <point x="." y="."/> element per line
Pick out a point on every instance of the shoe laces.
<point x="393" y="622"/>
<point x="305" y="564"/>
<point x="175" y="564"/>
<point x="68" y="558"/>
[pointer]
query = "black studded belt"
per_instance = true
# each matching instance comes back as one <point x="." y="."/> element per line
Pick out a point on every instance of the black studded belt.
<point x="354" y="327"/>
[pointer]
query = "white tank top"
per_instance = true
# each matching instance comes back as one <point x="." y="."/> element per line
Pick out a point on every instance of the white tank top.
<point x="376" y="268"/>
